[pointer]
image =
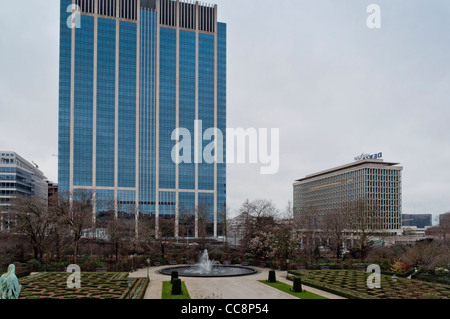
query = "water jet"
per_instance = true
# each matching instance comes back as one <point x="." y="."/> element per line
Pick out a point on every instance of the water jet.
<point x="206" y="268"/>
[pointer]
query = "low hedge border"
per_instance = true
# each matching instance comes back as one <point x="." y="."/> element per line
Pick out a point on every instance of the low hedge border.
<point x="331" y="289"/>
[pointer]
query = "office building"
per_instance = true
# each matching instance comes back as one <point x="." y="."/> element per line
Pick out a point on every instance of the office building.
<point x="131" y="72"/>
<point x="18" y="177"/>
<point x="444" y="219"/>
<point x="52" y="190"/>
<point x="417" y="220"/>
<point x="369" y="179"/>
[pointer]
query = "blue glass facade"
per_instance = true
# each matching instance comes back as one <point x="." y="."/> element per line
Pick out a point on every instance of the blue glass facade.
<point x="106" y="87"/>
<point x="128" y="99"/>
<point x="187" y="103"/>
<point x="167" y="107"/>
<point x="65" y="49"/>
<point x="83" y="103"/>
<point x="147" y="113"/>
<point x="127" y="105"/>
<point x="222" y="120"/>
<point x="206" y="104"/>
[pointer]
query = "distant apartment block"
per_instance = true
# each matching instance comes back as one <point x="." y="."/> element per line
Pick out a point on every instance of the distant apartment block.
<point x="18" y="177"/>
<point x="52" y="189"/>
<point x="417" y="220"/>
<point x="444" y="219"/>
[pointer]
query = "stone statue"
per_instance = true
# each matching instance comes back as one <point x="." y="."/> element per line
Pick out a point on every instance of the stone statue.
<point x="9" y="284"/>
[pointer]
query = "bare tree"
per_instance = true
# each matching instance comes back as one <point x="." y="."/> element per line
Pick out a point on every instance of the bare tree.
<point x="186" y="222"/>
<point x="287" y="235"/>
<point x="261" y="208"/>
<point x="428" y="254"/>
<point x="121" y="234"/>
<point x="61" y="234"/>
<point x="222" y="227"/>
<point x="333" y="226"/>
<point x="286" y="240"/>
<point x="363" y="220"/>
<point x="146" y="242"/>
<point x="203" y="213"/>
<point x="32" y="218"/>
<point x="288" y="213"/>
<point x="76" y="211"/>
<point x="307" y="221"/>
<point x="166" y="231"/>
<point x="274" y="238"/>
<point x="255" y="215"/>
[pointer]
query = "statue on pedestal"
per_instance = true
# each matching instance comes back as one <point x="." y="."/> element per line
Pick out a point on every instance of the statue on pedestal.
<point x="9" y="284"/>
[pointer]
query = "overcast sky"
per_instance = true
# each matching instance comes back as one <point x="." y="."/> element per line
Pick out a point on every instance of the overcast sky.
<point x="313" y="69"/>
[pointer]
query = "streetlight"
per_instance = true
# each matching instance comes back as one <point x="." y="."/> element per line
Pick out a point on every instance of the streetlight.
<point x="287" y="268"/>
<point x="148" y="267"/>
<point x="129" y="282"/>
<point x="394" y="278"/>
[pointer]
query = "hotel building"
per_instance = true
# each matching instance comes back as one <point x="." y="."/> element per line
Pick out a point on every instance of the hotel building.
<point x="334" y="189"/>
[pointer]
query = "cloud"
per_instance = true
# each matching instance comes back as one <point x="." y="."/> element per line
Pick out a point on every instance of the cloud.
<point x="311" y="68"/>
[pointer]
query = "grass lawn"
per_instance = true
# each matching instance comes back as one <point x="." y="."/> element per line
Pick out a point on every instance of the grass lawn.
<point x="167" y="288"/>
<point x="287" y="288"/>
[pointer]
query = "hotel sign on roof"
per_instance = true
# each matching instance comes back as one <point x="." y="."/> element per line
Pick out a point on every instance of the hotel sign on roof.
<point x="369" y="156"/>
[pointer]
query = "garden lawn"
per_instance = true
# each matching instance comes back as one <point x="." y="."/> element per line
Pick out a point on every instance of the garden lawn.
<point x="167" y="288"/>
<point x="288" y="289"/>
<point x="108" y="285"/>
<point x="353" y="284"/>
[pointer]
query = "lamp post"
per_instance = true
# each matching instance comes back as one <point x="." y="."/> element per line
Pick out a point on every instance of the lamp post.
<point x="129" y="282"/>
<point x="394" y="278"/>
<point x="287" y="268"/>
<point x="148" y="266"/>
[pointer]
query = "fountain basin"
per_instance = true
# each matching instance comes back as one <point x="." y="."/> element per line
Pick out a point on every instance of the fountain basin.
<point x="215" y="271"/>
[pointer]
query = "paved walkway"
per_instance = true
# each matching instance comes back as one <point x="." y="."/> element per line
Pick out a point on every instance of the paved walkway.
<point x="246" y="287"/>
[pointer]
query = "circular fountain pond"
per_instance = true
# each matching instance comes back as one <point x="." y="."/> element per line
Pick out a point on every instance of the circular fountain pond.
<point x="206" y="268"/>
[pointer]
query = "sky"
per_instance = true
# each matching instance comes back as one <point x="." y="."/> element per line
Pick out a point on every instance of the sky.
<point x="334" y="87"/>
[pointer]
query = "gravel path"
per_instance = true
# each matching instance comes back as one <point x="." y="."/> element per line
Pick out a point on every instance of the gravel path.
<point x="246" y="287"/>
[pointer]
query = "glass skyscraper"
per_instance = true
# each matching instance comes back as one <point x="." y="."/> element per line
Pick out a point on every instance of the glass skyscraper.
<point x="131" y="72"/>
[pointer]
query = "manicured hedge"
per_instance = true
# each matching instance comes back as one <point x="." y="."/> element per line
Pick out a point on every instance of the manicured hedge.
<point x="352" y="284"/>
<point x="93" y="286"/>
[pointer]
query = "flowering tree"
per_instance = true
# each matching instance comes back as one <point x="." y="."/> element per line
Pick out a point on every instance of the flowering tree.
<point x="262" y="245"/>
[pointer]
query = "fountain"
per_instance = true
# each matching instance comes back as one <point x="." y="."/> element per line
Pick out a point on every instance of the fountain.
<point x="209" y="268"/>
<point x="204" y="265"/>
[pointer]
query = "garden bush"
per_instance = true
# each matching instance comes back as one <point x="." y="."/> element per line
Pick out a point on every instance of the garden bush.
<point x="428" y="276"/>
<point x="297" y="286"/>
<point x="23" y="274"/>
<point x="174" y="275"/>
<point x="176" y="287"/>
<point x="272" y="276"/>
<point x="34" y="265"/>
